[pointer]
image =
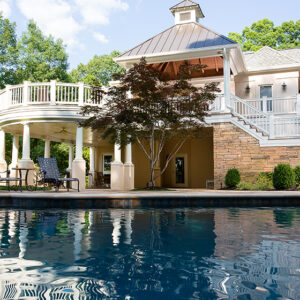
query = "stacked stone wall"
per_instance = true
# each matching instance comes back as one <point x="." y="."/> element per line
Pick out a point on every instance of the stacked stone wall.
<point x="235" y="148"/>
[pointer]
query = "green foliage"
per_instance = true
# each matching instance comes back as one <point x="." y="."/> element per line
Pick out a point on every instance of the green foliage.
<point x="265" y="33"/>
<point x="283" y="177"/>
<point x="297" y="174"/>
<point x="245" y="186"/>
<point x="232" y="178"/>
<point x="144" y="108"/>
<point x="98" y="71"/>
<point x="40" y="57"/>
<point x="8" y="52"/>
<point x="264" y="182"/>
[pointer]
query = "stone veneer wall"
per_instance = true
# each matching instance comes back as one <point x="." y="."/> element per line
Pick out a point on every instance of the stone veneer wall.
<point x="235" y="148"/>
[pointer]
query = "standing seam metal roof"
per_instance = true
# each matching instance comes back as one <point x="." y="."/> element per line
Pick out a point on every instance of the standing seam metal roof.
<point x="183" y="4"/>
<point x="181" y="37"/>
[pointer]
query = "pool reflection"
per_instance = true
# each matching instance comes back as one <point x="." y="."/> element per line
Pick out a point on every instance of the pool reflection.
<point x="150" y="254"/>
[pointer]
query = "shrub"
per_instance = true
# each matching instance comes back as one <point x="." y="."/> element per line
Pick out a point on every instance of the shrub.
<point x="297" y="175"/>
<point x="232" y="178"/>
<point x="264" y="181"/>
<point x="245" y="186"/>
<point x="283" y="177"/>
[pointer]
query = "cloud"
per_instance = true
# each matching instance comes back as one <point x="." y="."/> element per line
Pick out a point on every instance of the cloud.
<point x="5" y="8"/>
<point x="99" y="11"/>
<point x="100" y="38"/>
<point x="53" y="17"/>
<point x="66" y="19"/>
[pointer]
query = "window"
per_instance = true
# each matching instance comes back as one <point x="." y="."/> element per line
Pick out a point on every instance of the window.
<point x="266" y="92"/>
<point x="107" y="159"/>
<point x="179" y="164"/>
<point x="185" y="17"/>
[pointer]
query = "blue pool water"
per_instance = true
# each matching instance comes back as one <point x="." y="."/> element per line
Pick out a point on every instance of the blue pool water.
<point x="150" y="254"/>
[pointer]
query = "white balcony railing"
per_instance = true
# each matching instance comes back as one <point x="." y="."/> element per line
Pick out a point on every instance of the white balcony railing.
<point x="275" y="105"/>
<point x="52" y="93"/>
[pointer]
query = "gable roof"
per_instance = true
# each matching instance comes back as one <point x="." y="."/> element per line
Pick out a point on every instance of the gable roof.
<point x="181" y="37"/>
<point x="267" y="57"/>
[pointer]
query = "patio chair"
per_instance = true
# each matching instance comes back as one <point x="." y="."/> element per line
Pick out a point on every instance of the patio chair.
<point x="8" y="180"/>
<point x="50" y="174"/>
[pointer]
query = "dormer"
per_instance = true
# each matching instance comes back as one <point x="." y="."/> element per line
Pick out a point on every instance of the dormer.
<point x="186" y="11"/>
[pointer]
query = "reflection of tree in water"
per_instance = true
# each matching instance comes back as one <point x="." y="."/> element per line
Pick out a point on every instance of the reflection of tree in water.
<point x="284" y="217"/>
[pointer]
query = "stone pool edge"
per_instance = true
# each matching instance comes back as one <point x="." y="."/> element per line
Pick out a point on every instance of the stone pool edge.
<point x="174" y="199"/>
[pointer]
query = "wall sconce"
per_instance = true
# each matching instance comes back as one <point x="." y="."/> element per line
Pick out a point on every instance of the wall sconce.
<point x="284" y="86"/>
<point x="248" y="89"/>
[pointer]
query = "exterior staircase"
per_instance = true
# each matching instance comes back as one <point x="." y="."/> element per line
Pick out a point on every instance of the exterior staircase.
<point x="249" y="118"/>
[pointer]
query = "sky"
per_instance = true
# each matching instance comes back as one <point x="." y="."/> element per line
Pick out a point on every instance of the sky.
<point x="96" y="27"/>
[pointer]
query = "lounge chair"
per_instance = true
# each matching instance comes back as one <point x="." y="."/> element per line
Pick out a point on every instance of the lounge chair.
<point x="8" y="180"/>
<point x="50" y="174"/>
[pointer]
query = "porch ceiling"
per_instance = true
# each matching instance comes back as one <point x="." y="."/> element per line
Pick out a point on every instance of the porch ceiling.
<point x="58" y="132"/>
<point x="213" y="66"/>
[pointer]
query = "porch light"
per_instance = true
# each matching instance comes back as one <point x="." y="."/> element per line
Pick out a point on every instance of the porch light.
<point x="284" y="86"/>
<point x="248" y="89"/>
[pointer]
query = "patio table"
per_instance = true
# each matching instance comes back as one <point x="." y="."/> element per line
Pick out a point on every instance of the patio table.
<point x="26" y="175"/>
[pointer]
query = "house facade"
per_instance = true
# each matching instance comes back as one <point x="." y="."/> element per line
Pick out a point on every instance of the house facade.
<point x="253" y="125"/>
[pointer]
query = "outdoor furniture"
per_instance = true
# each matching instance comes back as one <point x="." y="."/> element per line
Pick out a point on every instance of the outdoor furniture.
<point x="50" y="174"/>
<point x="26" y="175"/>
<point x="8" y="180"/>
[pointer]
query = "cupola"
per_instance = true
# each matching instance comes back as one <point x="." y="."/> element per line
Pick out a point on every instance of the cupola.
<point x="187" y="11"/>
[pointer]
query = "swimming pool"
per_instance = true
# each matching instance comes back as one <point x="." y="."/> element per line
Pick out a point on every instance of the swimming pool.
<point x="150" y="254"/>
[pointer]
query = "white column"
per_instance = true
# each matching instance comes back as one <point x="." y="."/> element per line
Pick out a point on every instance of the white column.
<point x="226" y="69"/>
<point x="26" y="162"/>
<point x="14" y="156"/>
<point x="71" y="157"/>
<point x="79" y="143"/>
<point x="117" y="170"/>
<point x="128" y="169"/>
<point x="3" y="164"/>
<point x="26" y="142"/>
<point x="79" y="164"/>
<point x="47" y="149"/>
<point x="128" y="159"/>
<point x="2" y="146"/>
<point x="92" y="167"/>
<point x="117" y="154"/>
<point x="92" y="159"/>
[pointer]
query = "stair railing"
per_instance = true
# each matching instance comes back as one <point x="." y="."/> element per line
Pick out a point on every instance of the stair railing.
<point x="250" y="114"/>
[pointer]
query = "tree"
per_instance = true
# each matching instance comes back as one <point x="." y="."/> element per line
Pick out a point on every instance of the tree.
<point x="8" y="52"/>
<point x="265" y="33"/>
<point x="41" y="58"/>
<point x="146" y="107"/>
<point x="98" y="71"/>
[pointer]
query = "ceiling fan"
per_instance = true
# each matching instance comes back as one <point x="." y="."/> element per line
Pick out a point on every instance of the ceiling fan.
<point x="63" y="131"/>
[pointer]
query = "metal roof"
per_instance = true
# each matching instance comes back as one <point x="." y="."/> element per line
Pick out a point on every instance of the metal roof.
<point x="184" y="4"/>
<point x="181" y="37"/>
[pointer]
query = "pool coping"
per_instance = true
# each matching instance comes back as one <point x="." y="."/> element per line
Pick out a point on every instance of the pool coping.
<point x="141" y="199"/>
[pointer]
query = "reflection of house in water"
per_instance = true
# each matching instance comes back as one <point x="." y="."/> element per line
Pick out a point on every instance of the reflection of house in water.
<point x="106" y="252"/>
<point x="263" y="252"/>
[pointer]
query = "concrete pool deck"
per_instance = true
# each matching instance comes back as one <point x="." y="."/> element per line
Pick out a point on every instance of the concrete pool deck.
<point x="136" y="199"/>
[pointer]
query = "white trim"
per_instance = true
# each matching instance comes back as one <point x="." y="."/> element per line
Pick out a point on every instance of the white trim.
<point x="176" y="55"/>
